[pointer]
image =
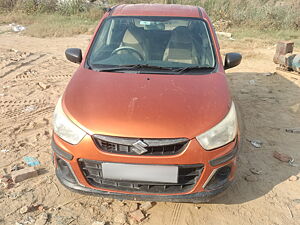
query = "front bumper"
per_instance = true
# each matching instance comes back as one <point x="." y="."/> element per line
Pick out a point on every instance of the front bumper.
<point x="200" y="197"/>
<point x="200" y="193"/>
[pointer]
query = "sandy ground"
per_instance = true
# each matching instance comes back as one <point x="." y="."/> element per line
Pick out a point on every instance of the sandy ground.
<point x="34" y="74"/>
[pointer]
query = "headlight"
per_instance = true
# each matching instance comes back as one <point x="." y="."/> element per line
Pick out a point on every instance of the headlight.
<point x="64" y="128"/>
<point x="221" y="134"/>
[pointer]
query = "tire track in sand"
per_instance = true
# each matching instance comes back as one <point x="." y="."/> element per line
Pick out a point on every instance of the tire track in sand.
<point x="176" y="213"/>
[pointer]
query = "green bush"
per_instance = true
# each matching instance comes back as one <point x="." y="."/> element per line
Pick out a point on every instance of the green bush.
<point x="27" y="6"/>
<point x="46" y="6"/>
<point x="8" y="4"/>
<point x="71" y="7"/>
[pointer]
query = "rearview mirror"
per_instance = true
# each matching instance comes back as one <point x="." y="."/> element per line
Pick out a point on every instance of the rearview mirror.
<point x="74" y="55"/>
<point x="232" y="59"/>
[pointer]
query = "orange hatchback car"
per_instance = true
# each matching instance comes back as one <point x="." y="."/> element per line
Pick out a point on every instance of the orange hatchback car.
<point x="148" y="113"/>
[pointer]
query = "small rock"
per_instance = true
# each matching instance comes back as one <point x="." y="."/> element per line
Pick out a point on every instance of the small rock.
<point x="42" y="219"/>
<point x="295" y="108"/>
<point x="146" y="206"/>
<point x="292" y="163"/>
<point x="46" y="121"/>
<point x="14" y="195"/>
<point x="103" y="208"/>
<point x="52" y="209"/>
<point x="6" y="87"/>
<point x="120" y="218"/>
<point x="4" y="179"/>
<point x="15" y="167"/>
<point x="297" y="200"/>
<point x="252" y="82"/>
<point x="118" y="203"/>
<point x="23" y="174"/>
<point x="198" y="207"/>
<point x="282" y="157"/>
<point x="137" y="215"/>
<point x="31" y="125"/>
<point x="43" y="85"/>
<point x="24" y="209"/>
<point x="92" y="210"/>
<point x="105" y="204"/>
<point x="4" y="150"/>
<point x="29" y="220"/>
<point x="251" y="178"/>
<point x="6" y="185"/>
<point x="13" y="50"/>
<point x="293" y="178"/>
<point x="133" y="207"/>
<point x="30" y="108"/>
<point x="244" y="91"/>
<point x="99" y="223"/>
<point x="41" y="208"/>
<point x="255" y="171"/>
<point x="47" y="133"/>
<point x="224" y="34"/>
<point x="256" y="143"/>
<point x="267" y="74"/>
<point x="22" y="144"/>
<point x="5" y="171"/>
<point x="293" y="130"/>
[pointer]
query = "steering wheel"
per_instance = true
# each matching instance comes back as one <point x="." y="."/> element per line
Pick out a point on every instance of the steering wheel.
<point x="127" y="48"/>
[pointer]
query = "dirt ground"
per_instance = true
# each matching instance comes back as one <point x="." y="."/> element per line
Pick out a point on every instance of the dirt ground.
<point x="34" y="73"/>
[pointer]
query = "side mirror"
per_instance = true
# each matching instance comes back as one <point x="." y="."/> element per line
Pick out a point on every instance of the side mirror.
<point x="74" y="55"/>
<point x="232" y="59"/>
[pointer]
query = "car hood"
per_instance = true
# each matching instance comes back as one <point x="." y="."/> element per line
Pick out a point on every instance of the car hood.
<point x="146" y="105"/>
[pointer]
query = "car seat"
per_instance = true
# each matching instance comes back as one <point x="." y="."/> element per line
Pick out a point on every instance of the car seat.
<point x="133" y="37"/>
<point x="180" y="47"/>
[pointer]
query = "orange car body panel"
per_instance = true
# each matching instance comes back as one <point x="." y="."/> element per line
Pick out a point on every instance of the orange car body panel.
<point x="203" y="100"/>
<point x="148" y="106"/>
<point x="157" y="10"/>
<point x="195" y="155"/>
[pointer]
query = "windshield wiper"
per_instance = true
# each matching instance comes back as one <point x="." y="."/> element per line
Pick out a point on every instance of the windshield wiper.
<point x="133" y="66"/>
<point x="156" y="68"/>
<point x="185" y="69"/>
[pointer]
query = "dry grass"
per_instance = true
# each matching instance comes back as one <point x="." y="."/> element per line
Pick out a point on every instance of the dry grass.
<point x="262" y="14"/>
<point x="261" y="19"/>
<point x="266" y="37"/>
<point x="54" y="24"/>
<point x="59" y="26"/>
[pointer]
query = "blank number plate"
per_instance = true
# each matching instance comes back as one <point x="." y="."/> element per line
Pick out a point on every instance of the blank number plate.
<point x="145" y="173"/>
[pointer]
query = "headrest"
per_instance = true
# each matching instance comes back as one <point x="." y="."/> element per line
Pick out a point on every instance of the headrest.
<point x="181" y="35"/>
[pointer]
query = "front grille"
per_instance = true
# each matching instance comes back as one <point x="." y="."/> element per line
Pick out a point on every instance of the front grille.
<point x="154" y="147"/>
<point x="188" y="176"/>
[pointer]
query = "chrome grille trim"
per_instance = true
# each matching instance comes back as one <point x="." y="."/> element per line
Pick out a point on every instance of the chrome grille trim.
<point x="120" y="145"/>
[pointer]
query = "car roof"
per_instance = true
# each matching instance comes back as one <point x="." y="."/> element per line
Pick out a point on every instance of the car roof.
<point x="157" y="10"/>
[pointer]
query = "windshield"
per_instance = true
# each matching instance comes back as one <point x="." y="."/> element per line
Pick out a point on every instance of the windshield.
<point x="152" y="43"/>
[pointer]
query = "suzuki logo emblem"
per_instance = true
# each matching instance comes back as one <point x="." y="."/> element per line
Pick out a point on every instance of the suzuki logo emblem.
<point x="139" y="147"/>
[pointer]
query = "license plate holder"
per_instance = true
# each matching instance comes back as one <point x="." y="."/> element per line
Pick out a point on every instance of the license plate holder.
<point x="140" y="172"/>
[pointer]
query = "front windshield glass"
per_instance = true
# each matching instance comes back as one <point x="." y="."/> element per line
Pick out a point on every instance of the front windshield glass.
<point x="152" y="42"/>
